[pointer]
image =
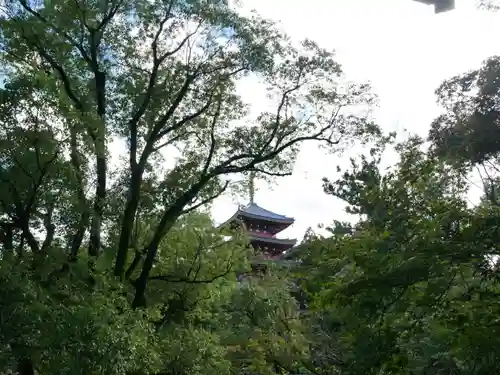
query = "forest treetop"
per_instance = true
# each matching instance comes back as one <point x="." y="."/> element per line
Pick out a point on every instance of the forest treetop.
<point x="158" y="75"/>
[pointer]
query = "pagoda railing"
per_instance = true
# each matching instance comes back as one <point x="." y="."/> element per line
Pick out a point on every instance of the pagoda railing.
<point x="261" y="234"/>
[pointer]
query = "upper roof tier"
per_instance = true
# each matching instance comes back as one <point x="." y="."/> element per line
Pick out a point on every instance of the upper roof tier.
<point x="254" y="211"/>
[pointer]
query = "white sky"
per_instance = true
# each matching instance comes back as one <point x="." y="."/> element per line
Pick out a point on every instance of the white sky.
<point x="403" y="49"/>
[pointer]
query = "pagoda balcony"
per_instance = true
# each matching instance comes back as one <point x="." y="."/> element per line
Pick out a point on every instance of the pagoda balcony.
<point x="268" y="257"/>
<point x="257" y="233"/>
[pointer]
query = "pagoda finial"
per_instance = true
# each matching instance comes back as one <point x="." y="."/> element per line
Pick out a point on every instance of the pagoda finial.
<point x="251" y="187"/>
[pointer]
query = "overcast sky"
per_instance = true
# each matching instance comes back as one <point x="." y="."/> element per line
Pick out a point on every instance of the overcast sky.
<point x="402" y="48"/>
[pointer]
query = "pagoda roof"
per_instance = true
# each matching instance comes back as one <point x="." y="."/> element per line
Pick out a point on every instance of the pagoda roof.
<point x="273" y="240"/>
<point x="255" y="211"/>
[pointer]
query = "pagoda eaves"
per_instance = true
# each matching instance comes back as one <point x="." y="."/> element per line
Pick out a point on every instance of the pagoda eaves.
<point x="271" y="246"/>
<point x="254" y="214"/>
<point x="253" y="211"/>
<point x="278" y="241"/>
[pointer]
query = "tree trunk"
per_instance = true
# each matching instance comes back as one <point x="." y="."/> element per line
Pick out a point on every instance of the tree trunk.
<point x="167" y="221"/>
<point x="98" y="209"/>
<point x="128" y="221"/>
<point x="83" y="203"/>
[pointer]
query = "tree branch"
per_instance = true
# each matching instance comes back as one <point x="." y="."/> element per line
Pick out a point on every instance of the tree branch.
<point x="211" y="151"/>
<point x="157" y="62"/>
<point x="65" y="35"/>
<point x="207" y="200"/>
<point x="226" y="167"/>
<point x="284" y="100"/>
<point x="187" y="280"/>
<point x="82" y="225"/>
<point x="63" y="76"/>
<point x="49" y="227"/>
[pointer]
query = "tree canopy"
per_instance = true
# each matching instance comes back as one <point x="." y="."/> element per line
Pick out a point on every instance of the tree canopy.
<point x="412" y="288"/>
<point x="121" y="121"/>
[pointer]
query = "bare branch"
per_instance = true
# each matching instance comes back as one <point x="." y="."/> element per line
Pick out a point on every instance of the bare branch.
<point x="207" y="200"/>
<point x="227" y="167"/>
<point x="153" y="136"/>
<point x="212" y="148"/>
<point x="283" y="102"/>
<point x="275" y="174"/>
<point x="170" y="141"/>
<point x="157" y="62"/>
<point x="107" y="18"/>
<point x="186" y="119"/>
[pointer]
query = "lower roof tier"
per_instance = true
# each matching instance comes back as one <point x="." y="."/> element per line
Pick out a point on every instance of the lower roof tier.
<point x="252" y="224"/>
<point x="272" y="245"/>
<point x="272" y="240"/>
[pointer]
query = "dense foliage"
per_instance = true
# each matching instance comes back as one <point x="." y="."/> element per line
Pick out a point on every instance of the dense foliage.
<point x="121" y="121"/>
<point x="413" y="286"/>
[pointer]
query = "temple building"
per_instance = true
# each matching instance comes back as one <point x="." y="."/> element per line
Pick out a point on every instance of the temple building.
<point x="262" y="227"/>
<point x="440" y="6"/>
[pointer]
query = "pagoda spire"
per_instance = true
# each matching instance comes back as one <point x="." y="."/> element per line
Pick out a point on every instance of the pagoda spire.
<point x="251" y="187"/>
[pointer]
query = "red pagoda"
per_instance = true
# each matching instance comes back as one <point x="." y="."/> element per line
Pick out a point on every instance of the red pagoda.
<point x="262" y="227"/>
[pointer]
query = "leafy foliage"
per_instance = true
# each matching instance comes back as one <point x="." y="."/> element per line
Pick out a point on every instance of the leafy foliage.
<point x="109" y="264"/>
<point x="410" y="288"/>
<point x="469" y="128"/>
<point x="200" y="320"/>
<point x="161" y="77"/>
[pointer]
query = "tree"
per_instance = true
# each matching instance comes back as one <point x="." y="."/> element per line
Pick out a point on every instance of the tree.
<point x="200" y="320"/>
<point x="467" y="133"/>
<point x="156" y="290"/>
<point x="162" y="76"/>
<point x="493" y="5"/>
<point x="469" y="127"/>
<point x="409" y="289"/>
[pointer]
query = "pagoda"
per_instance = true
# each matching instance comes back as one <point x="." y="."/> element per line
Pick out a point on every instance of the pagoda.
<point x="262" y="226"/>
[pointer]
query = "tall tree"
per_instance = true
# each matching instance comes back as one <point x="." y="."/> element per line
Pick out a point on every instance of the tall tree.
<point x="468" y="129"/>
<point x="410" y="288"/>
<point x="467" y="134"/>
<point x="162" y="77"/>
<point x="200" y="320"/>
